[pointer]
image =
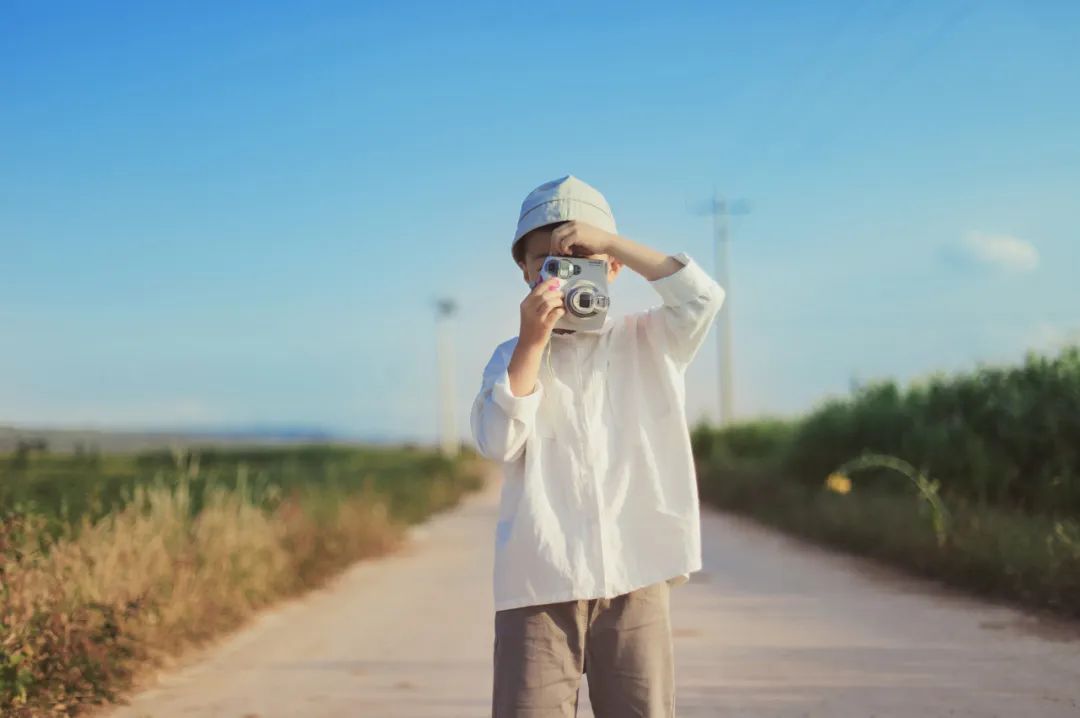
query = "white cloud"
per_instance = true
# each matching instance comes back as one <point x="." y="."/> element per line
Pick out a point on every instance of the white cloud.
<point x="1002" y="250"/>
<point x="1051" y="338"/>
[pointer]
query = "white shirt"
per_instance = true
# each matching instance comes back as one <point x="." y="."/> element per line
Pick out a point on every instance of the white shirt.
<point x="599" y="495"/>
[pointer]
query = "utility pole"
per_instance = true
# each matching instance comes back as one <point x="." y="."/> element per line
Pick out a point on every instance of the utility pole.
<point x="448" y="437"/>
<point x="721" y="210"/>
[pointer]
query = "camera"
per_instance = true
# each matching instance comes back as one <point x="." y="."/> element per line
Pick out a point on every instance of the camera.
<point x="585" y="291"/>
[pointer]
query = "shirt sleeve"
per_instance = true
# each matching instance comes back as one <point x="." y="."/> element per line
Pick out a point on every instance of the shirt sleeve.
<point x="691" y="300"/>
<point x="501" y="421"/>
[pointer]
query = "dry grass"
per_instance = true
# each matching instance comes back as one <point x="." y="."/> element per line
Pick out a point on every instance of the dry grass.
<point x="80" y="615"/>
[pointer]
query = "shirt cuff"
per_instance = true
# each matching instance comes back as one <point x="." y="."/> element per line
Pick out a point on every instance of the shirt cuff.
<point x="516" y="407"/>
<point x="684" y="284"/>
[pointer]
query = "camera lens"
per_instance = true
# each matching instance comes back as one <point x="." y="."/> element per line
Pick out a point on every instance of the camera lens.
<point x="579" y="301"/>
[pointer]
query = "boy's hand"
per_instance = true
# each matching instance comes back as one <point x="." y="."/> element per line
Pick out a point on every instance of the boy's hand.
<point x="581" y="239"/>
<point x="540" y="309"/>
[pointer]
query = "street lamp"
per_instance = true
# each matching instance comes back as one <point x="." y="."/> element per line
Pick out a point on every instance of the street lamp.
<point x="721" y="209"/>
<point x="448" y="438"/>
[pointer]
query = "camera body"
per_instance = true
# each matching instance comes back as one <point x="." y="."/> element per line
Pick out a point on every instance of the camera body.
<point x="585" y="290"/>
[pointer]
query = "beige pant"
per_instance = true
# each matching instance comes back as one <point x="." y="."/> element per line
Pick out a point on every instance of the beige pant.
<point x="623" y="643"/>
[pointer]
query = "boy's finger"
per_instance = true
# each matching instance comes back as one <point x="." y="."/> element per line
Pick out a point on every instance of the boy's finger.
<point x="541" y="299"/>
<point x="548" y="300"/>
<point x="552" y="300"/>
<point x="554" y="314"/>
<point x="543" y="286"/>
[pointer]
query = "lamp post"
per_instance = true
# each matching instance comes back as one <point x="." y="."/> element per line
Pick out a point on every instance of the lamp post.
<point x="448" y="437"/>
<point x="721" y="209"/>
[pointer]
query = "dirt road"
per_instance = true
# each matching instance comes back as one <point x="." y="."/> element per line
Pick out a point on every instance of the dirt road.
<point x="771" y="627"/>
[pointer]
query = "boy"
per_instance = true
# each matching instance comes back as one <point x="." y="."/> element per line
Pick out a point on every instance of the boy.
<point x="598" y="516"/>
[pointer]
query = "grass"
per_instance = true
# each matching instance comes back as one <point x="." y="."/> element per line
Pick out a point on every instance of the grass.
<point x="992" y="458"/>
<point x="1028" y="559"/>
<point x="107" y="569"/>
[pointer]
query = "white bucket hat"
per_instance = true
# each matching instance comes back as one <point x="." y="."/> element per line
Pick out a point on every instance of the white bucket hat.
<point x="562" y="199"/>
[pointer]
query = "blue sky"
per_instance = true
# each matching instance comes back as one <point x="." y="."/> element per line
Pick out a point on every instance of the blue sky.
<point x="235" y="213"/>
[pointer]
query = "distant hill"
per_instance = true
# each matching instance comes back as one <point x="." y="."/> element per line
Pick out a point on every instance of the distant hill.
<point x="64" y="440"/>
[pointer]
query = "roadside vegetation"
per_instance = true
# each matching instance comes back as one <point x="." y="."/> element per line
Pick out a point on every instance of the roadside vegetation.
<point x="972" y="478"/>
<point x="110" y="564"/>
